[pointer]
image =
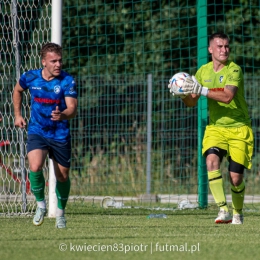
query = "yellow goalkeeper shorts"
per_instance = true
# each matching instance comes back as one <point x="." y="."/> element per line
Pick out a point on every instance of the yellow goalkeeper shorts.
<point x="237" y="141"/>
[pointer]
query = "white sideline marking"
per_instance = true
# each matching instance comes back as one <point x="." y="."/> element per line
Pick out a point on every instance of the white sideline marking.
<point x="161" y="198"/>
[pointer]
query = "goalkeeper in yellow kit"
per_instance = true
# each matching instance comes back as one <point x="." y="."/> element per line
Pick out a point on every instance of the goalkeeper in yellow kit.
<point x="229" y="131"/>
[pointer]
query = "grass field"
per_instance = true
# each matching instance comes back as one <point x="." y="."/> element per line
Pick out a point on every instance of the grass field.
<point x="129" y="234"/>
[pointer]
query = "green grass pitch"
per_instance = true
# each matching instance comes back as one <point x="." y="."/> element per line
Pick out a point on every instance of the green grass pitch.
<point x="129" y="234"/>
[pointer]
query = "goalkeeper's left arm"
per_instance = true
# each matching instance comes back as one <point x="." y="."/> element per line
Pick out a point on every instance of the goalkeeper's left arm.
<point x="192" y="86"/>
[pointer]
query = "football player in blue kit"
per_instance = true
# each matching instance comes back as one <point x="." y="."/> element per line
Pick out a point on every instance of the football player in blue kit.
<point x="53" y="103"/>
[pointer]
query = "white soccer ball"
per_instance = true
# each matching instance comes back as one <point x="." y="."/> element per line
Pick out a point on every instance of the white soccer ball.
<point x="177" y="80"/>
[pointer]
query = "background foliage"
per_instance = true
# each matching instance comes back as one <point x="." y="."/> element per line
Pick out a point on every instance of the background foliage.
<point x="110" y="47"/>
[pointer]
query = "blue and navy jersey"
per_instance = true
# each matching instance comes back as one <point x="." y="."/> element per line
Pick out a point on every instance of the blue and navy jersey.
<point x="45" y="96"/>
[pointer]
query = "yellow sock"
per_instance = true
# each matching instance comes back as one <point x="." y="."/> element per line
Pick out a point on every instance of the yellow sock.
<point x="238" y="194"/>
<point x="217" y="189"/>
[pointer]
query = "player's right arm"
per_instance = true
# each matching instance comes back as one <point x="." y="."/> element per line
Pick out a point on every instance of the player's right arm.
<point x="191" y="100"/>
<point x="17" y="103"/>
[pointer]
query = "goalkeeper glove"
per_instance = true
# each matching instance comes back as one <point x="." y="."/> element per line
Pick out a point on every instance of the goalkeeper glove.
<point x="182" y="96"/>
<point x="192" y="86"/>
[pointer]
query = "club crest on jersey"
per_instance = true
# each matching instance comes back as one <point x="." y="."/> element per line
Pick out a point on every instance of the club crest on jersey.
<point x="72" y="90"/>
<point x="57" y="89"/>
<point x="221" y="79"/>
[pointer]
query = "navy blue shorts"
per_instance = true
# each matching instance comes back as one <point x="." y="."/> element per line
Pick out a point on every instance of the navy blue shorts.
<point x="60" y="152"/>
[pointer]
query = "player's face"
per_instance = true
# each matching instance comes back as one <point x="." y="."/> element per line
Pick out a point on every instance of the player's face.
<point x="52" y="63"/>
<point x="219" y="49"/>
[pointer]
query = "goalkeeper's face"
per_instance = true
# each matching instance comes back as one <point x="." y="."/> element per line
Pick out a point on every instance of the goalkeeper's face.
<point x="219" y="49"/>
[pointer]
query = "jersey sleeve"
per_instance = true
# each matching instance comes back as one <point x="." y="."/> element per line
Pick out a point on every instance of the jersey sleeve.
<point x="70" y="87"/>
<point x="235" y="76"/>
<point x="28" y="77"/>
<point x="23" y="81"/>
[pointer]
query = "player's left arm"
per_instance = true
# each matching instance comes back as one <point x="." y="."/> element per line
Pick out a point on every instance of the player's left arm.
<point x="70" y="97"/>
<point x="71" y="110"/>
<point x="68" y="113"/>
<point x="225" y="96"/>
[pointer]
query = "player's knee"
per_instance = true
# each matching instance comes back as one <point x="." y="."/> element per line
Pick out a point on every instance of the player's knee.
<point x="35" y="168"/>
<point x="62" y="177"/>
<point x="212" y="162"/>
<point x="236" y="172"/>
<point x="236" y="179"/>
<point x="214" y="156"/>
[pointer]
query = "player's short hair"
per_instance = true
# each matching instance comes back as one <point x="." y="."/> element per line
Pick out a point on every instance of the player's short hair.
<point x="50" y="47"/>
<point x="218" y="35"/>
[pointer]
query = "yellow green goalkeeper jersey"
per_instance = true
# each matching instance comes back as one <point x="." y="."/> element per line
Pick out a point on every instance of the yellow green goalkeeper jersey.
<point x="235" y="113"/>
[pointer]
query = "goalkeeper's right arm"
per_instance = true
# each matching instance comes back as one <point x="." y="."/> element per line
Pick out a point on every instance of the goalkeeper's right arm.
<point x="191" y="100"/>
<point x="192" y="86"/>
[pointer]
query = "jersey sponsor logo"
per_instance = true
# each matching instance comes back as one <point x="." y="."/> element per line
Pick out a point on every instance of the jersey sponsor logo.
<point x="47" y="100"/>
<point x="221" y="79"/>
<point x="217" y="89"/>
<point x="207" y="80"/>
<point x="235" y="71"/>
<point x="57" y="89"/>
<point x="36" y="88"/>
